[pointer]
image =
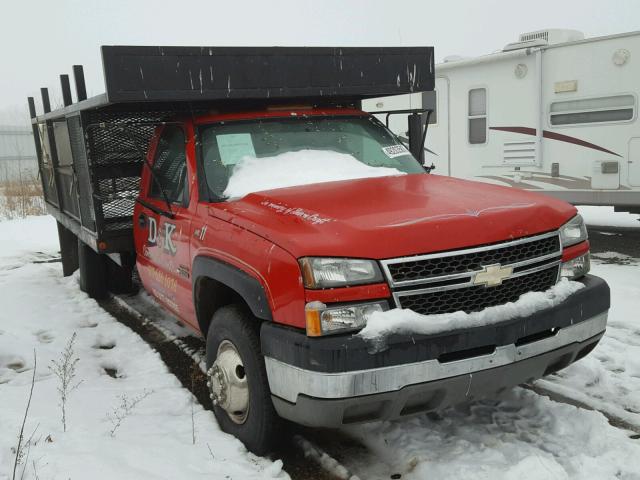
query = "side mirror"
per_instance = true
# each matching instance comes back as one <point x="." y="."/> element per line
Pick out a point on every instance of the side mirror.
<point x="417" y="135"/>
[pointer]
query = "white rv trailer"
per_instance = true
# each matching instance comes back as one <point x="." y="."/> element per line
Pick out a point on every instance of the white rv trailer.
<point x="553" y="112"/>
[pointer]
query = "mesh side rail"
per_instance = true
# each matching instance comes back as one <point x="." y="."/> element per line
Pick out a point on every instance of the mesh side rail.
<point x="81" y="170"/>
<point x="117" y="145"/>
<point x="116" y="163"/>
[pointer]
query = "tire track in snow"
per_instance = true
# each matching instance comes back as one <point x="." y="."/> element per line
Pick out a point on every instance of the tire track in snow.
<point x="552" y="391"/>
<point x="184" y="357"/>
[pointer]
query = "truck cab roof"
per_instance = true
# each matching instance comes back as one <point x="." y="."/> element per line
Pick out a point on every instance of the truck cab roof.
<point x="275" y="111"/>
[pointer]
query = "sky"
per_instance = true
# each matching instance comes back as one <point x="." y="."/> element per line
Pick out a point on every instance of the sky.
<point x="40" y="39"/>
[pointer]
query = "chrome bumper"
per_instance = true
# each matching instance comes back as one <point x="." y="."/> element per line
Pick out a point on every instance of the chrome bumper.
<point x="288" y="382"/>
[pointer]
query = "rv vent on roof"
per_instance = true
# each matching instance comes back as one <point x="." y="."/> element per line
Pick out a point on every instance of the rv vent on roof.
<point x="553" y="36"/>
<point x="526" y="37"/>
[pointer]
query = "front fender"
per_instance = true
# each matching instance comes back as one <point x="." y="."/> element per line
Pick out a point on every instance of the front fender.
<point x="242" y="283"/>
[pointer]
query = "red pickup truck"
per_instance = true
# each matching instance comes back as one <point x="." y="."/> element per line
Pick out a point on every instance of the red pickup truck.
<point x="278" y="222"/>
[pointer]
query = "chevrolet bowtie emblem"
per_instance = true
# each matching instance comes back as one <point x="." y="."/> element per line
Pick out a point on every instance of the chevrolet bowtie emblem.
<point x="492" y="275"/>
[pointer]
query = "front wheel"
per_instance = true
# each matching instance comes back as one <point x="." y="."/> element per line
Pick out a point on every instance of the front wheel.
<point x="237" y="379"/>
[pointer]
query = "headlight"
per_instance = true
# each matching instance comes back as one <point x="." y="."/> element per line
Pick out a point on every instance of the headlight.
<point x="319" y="272"/>
<point x="576" y="267"/>
<point x="574" y="231"/>
<point x="323" y="320"/>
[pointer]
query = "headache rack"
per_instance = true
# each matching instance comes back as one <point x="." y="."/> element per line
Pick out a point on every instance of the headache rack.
<point x="91" y="153"/>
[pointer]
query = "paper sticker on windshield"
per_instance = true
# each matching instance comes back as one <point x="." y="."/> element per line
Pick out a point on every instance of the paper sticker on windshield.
<point x="393" y="151"/>
<point x="235" y="146"/>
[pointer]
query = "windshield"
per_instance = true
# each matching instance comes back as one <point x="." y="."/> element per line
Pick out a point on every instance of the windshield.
<point x="240" y="157"/>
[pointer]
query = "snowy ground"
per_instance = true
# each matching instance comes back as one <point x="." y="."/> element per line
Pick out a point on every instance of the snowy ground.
<point x="521" y="435"/>
<point x="609" y="378"/>
<point x="40" y="311"/>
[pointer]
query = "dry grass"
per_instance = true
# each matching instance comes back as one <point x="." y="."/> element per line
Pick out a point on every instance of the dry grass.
<point x="21" y="198"/>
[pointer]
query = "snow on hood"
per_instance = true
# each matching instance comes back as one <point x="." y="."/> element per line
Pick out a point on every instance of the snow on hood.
<point x="303" y="167"/>
<point x="404" y="321"/>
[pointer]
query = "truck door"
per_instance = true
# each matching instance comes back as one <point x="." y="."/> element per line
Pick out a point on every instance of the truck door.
<point x="163" y="221"/>
<point x="634" y="162"/>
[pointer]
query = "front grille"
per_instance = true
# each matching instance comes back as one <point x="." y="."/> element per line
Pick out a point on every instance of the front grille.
<point x="428" y="267"/>
<point x="476" y="298"/>
<point x="446" y="282"/>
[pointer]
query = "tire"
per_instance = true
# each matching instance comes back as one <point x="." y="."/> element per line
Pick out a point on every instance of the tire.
<point x="235" y="325"/>
<point x="119" y="278"/>
<point x="93" y="275"/>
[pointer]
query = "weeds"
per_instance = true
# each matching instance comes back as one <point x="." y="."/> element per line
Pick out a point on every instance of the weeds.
<point x="125" y="409"/>
<point x="65" y="370"/>
<point x="20" y="453"/>
<point x="21" y="197"/>
<point x="195" y="373"/>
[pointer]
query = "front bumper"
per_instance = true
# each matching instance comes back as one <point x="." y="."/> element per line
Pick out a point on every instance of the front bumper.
<point x="333" y="381"/>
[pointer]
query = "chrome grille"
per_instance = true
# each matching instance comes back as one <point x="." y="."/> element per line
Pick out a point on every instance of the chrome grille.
<point x="414" y="270"/>
<point x="444" y="282"/>
<point x="474" y="299"/>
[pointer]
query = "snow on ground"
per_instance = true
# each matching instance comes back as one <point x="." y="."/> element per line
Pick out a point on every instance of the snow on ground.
<point x="521" y="436"/>
<point x="40" y="311"/>
<point x="26" y="240"/>
<point x="606" y="216"/>
<point x="609" y="377"/>
<point x="298" y="168"/>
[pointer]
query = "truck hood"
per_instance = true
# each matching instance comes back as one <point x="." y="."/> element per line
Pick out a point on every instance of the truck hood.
<point x="393" y="216"/>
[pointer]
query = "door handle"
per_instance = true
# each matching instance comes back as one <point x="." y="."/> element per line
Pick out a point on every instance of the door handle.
<point x="142" y="220"/>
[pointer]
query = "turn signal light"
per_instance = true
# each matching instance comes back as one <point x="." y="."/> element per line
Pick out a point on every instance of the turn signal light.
<point x="327" y="320"/>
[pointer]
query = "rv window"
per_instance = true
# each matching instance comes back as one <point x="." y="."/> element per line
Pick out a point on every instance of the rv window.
<point x="619" y="108"/>
<point x="478" y="115"/>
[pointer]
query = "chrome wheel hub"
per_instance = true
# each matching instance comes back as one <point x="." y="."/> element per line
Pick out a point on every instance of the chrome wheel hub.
<point x="227" y="382"/>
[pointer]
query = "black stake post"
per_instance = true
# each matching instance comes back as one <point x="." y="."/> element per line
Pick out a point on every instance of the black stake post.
<point x="66" y="90"/>
<point x="46" y="105"/>
<point x="32" y="107"/>
<point x="78" y="77"/>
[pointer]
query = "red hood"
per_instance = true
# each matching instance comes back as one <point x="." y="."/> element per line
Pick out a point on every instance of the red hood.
<point x="393" y="216"/>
